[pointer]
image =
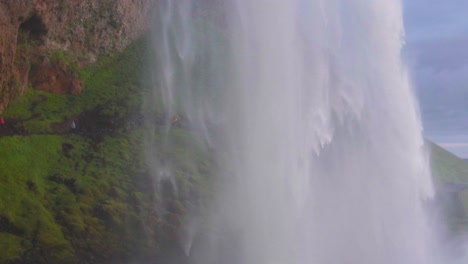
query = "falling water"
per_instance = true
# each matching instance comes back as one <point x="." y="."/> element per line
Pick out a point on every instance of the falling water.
<point x="309" y="111"/>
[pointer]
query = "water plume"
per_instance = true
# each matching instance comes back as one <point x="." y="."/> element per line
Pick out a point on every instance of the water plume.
<point x="309" y="111"/>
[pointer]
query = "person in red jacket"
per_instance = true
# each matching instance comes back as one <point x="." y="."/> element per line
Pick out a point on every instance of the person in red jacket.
<point x="2" y="121"/>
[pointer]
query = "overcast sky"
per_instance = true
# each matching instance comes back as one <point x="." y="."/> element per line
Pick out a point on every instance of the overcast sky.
<point x="437" y="51"/>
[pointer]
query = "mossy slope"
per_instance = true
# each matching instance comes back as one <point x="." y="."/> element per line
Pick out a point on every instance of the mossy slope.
<point x="87" y="195"/>
<point x="446" y="167"/>
<point x="450" y="175"/>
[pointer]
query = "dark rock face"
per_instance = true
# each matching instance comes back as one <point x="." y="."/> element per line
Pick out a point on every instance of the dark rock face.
<point x="54" y="77"/>
<point x="33" y="31"/>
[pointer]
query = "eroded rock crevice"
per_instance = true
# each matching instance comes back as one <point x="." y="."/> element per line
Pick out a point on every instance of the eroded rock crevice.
<point x="31" y="37"/>
<point x="32" y="30"/>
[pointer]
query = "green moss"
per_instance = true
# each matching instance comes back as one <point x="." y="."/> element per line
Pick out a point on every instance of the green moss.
<point x="88" y="196"/>
<point x="12" y="247"/>
<point x="113" y="83"/>
<point x="64" y="56"/>
<point x="27" y="158"/>
<point x="21" y="108"/>
<point x="22" y="185"/>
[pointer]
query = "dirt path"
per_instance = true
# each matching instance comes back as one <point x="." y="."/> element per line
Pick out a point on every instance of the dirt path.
<point x="92" y="124"/>
<point x="9" y="129"/>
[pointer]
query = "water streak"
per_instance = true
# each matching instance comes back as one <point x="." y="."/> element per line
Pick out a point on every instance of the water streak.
<point x="310" y="113"/>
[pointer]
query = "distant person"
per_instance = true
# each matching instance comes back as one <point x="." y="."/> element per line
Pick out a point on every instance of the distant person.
<point x="73" y="125"/>
<point x="2" y="121"/>
<point x="175" y="120"/>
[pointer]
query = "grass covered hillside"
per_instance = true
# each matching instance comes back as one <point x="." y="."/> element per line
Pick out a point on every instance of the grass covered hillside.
<point x="446" y="167"/>
<point x="75" y="185"/>
<point x="450" y="175"/>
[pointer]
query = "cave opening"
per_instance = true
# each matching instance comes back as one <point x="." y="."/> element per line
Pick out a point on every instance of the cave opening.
<point x="31" y="35"/>
<point x="32" y="29"/>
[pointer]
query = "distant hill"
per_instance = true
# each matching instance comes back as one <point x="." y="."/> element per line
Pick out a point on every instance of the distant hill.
<point x="446" y="167"/>
<point x="450" y="174"/>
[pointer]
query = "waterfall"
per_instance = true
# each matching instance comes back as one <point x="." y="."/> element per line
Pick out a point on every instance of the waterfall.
<point x="309" y="111"/>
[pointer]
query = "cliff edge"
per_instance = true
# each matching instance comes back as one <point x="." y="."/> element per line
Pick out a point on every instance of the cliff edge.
<point x="42" y="40"/>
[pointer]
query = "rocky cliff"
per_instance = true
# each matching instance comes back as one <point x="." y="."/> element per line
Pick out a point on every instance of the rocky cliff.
<point x="41" y="41"/>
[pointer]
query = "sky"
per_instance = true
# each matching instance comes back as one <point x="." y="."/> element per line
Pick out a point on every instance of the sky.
<point x="437" y="52"/>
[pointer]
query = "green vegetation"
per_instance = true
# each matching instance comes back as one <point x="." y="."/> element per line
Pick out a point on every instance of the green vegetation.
<point x="114" y="84"/>
<point x="446" y="167"/>
<point x="87" y="195"/>
<point x="451" y="173"/>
